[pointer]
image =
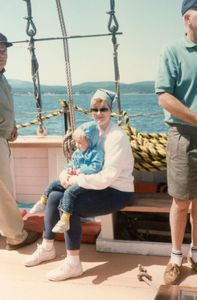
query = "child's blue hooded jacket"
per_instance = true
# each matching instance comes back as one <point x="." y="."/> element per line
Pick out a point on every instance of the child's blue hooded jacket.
<point x="89" y="161"/>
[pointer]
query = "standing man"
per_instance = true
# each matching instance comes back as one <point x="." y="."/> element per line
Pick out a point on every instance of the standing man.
<point x="176" y="87"/>
<point x="11" y="223"/>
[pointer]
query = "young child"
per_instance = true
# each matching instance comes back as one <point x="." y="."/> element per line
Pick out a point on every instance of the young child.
<point x="87" y="159"/>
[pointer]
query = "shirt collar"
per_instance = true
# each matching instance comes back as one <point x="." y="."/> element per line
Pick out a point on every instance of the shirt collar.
<point x="188" y="43"/>
<point x="1" y="73"/>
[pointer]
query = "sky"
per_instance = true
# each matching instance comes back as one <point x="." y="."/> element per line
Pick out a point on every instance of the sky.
<point x="146" y="26"/>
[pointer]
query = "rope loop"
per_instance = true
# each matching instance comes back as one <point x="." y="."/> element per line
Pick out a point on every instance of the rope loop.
<point x="31" y="28"/>
<point x="113" y="25"/>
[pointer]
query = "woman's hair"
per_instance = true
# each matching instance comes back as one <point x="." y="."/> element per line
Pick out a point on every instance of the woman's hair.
<point x="99" y="101"/>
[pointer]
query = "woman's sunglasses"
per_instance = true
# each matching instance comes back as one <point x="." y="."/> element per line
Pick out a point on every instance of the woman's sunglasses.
<point x="102" y="109"/>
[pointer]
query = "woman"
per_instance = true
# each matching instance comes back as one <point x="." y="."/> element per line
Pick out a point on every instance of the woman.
<point x="109" y="190"/>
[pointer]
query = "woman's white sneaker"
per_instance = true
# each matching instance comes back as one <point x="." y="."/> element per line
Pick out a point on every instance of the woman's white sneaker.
<point x="40" y="255"/>
<point x="65" y="271"/>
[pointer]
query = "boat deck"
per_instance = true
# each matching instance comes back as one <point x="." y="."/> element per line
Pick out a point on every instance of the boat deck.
<point x="109" y="276"/>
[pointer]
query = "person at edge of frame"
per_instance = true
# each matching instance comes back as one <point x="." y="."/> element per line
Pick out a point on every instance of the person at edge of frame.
<point x="176" y="87"/>
<point x="11" y="222"/>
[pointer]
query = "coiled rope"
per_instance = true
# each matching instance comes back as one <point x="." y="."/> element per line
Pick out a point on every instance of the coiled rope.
<point x="149" y="149"/>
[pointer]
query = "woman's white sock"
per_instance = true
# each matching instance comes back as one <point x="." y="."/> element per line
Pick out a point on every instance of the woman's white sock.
<point x="47" y="244"/>
<point x="73" y="259"/>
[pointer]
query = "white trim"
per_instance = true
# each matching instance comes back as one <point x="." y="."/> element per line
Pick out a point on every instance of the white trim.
<point x="136" y="247"/>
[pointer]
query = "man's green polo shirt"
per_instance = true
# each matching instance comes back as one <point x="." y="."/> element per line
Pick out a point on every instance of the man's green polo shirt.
<point x="177" y="75"/>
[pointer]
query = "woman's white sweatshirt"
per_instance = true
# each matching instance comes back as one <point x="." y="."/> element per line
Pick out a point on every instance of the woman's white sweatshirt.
<point x="118" y="164"/>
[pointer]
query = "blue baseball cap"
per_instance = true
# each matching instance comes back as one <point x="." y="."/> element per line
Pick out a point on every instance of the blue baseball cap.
<point x="188" y="4"/>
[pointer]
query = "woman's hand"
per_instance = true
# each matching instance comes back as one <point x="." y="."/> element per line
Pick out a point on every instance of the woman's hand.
<point x="64" y="177"/>
<point x="72" y="180"/>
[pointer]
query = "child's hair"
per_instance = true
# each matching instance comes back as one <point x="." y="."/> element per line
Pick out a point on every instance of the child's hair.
<point x="79" y="134"/>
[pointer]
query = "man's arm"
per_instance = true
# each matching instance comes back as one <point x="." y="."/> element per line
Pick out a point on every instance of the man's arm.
<point x="177" y="109"/>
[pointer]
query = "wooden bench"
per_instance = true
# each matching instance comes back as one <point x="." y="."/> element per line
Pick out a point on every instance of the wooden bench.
<point x="150" y="202"/>
<point x="143" y="203"/>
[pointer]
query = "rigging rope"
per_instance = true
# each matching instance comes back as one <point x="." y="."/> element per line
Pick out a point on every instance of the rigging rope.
<point x="70" y="114"/>
<point x="113" y="27"/>
<point x="31" y="32"/>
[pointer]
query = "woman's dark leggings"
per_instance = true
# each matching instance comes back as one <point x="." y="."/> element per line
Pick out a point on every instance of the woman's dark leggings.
<point x="90" y="204"/>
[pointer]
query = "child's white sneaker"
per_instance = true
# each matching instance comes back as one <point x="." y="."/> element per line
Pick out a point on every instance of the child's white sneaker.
<point x="39" y="256"/>
<point x="65" y="271"/>
<point x="61" y="227"/>
<point x="38" y="207"/>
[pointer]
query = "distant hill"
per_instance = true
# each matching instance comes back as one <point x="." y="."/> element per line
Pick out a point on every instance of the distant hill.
<point x="26" y="87"/>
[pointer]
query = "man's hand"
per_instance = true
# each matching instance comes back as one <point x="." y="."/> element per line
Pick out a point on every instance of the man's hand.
<point x="13" y="135"/>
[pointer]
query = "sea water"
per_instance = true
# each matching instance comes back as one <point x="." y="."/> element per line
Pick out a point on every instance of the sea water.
<point x="144" y="112"/>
